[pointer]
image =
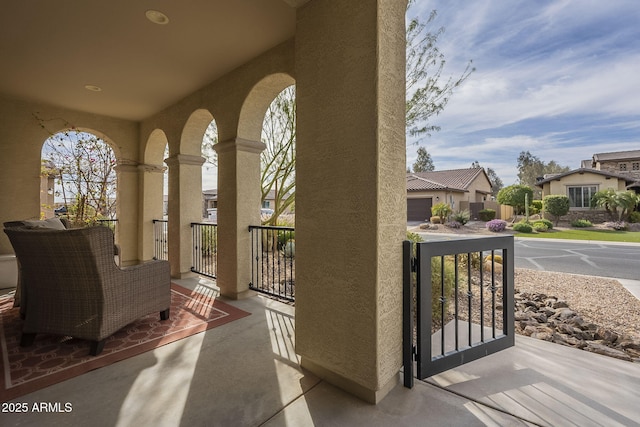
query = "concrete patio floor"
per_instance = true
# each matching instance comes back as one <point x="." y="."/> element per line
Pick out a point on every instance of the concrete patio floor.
<point x="246" y="373"/>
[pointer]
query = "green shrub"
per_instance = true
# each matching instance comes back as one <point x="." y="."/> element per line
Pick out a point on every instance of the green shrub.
<point x="284" y="236"/>
<point x="546" y="222"/>
<point x="581" y="223"/>
<point x="556" y="205"/>
<point x="208" y="240"/>
<point x="516" y="195"/>
<point x="540" y="227"/>
<point x="442" y="209"/>
<point x="487" y="214"/>
<point x="463" y="260"/>
<point x="462" y="216"/>
<point x="436" y="285"/>
<point x="522" y="227"/>
<point x="536" y="207"/>
<point x="436" y="278"/>
<point x="414" y="237"/>
<point x="634" y="217"/>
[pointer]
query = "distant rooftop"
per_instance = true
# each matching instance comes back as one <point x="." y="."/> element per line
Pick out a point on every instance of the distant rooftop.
<point x="452" y="180"/>
<point x="617" y="155"/>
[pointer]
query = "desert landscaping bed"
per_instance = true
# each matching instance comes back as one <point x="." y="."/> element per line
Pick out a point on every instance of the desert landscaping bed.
<point x="591" y="313"/>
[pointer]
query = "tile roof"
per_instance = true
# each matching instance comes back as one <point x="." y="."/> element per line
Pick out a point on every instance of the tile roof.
<point x="617" y="155"/>
<point x="451" y="180"/>
<point x="554" y="177"/>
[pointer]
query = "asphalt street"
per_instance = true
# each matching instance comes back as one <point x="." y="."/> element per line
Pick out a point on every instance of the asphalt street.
<point x="616" y="260"/>
<point x="589" y="258"/>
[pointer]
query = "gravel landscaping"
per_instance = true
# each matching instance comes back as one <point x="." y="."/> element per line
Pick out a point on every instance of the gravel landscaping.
<point x="598" y="300"/>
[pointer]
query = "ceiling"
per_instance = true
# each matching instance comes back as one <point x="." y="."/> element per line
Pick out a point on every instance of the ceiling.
<point x="50" y="52"/>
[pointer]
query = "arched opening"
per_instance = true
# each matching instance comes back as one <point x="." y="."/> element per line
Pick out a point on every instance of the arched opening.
<point x="78" y="177"/>
<point x="154" y="198"/>
<point x="278" y="160"/>
<point x="210" y="174"/>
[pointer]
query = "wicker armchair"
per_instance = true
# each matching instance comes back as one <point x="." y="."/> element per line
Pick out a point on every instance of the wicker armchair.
<point x="73" y="286"/>
<point x="55" y="223"/>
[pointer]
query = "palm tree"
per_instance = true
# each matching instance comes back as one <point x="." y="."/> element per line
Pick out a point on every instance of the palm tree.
<point x="616" y="203"/>
<point x="627" y="202"/>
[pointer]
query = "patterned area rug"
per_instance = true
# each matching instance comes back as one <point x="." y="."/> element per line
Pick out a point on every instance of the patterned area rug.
<point x="53" y="359"/>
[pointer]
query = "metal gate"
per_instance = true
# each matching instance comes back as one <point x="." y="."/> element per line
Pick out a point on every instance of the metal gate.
<point x="475" y="208"/>
<point x="459" y="294"/>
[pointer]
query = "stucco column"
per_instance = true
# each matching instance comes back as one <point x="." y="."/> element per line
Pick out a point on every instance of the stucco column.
<point x="350" y="192"/>
<point x="238" y="207"/>
<point x="151" y="204"/>
<point x="127" y="211"/>
<point x="185" y="207"/>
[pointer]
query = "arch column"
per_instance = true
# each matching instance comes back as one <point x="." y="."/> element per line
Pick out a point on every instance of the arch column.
<point x="127" y="211"/>
<point x="238" y="207"/>
<point x="350" y="192"/>
<point x="151" y="207"/>
<point x="185" y="207"/>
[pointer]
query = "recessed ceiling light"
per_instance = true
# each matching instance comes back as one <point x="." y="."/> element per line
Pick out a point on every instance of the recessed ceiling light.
<point x="93" y="88"/>
<point x="157" y="17"/>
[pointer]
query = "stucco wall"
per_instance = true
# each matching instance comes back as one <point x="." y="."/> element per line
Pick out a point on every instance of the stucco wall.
<point x="585" y="179"/>
<point x="21" y="139"/>
<point x="351" y="197"/>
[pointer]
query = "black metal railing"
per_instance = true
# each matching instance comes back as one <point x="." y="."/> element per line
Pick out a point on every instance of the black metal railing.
<point x="205" y="248"/>
<point x="273" y="261"/>
<point x="460" y="293"/>
<point x="160" y="239"/>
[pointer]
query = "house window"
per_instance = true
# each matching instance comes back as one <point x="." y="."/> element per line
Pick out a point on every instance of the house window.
<point x="635" y="166"/>
<point x="580" y="197"/>
<point x="265" y="204"/>
<point x="623" y="166"/>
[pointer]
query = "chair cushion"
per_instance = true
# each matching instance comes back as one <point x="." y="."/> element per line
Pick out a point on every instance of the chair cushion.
<point x="51" y="223"/>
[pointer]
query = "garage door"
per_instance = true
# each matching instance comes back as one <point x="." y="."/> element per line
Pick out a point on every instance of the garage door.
<point x="418" y="209"/>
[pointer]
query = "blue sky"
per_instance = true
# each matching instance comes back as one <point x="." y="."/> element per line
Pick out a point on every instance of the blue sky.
<point x="560" y="79"/>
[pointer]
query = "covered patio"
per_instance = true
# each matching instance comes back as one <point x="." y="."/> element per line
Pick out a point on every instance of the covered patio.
<point x="200" y="380"/>
<point x="143" y="81"/>
<point x="147" y="75"/>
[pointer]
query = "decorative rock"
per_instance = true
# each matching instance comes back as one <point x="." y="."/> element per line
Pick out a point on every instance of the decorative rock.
<point x="560" y="304"/>
<point x="545" y="336"/>
<point x="550" y="319"/>
<point x="540" y="317"/>
<point x="606" y="335"/>
<point x="564" y="313"/>
<point x="596" y="347"/>
<point x="629" y="343"/>
<point x="577" y="321"/>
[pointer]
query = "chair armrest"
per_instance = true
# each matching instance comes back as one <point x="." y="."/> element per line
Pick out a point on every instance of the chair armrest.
<point x="142" y="288"/>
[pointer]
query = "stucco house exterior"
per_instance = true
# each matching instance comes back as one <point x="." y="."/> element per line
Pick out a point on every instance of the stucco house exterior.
<point x="626" y="163"/>
<point x="621" y="162"/>
<point x="458" y="187"/>
<point x="580" y="185"/>
<point x="210" y="201"/>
